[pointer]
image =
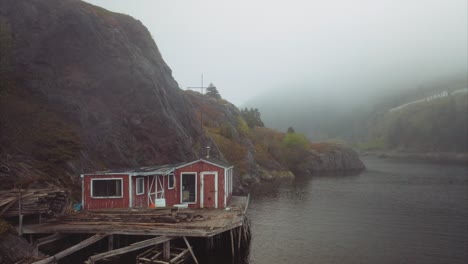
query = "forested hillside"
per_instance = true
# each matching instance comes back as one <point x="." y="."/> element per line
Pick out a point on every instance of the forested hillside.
<point x="431" y="117"/>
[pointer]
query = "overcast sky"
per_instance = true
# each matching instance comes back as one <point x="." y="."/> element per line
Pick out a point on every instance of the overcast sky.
<point x="247" y="47"/>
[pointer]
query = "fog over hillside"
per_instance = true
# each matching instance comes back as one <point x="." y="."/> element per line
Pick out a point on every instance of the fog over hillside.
<point x="333" y="48"/>
<point x="324" y="67"/>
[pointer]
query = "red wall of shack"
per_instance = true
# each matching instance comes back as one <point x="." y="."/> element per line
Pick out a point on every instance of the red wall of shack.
<point x="172" y="196"/>
<point x="197" y="168"/>
<point x="90" y="203"/>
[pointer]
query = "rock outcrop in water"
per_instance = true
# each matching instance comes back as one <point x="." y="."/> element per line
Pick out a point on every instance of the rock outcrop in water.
<point x="340" y="158"/>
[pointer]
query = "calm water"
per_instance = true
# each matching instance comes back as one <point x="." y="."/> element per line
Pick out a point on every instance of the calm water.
<point x="395" y="212"/>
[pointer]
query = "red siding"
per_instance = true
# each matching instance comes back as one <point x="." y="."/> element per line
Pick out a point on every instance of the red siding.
<point x="99" y="203"/>
<point x="173" y="196"/>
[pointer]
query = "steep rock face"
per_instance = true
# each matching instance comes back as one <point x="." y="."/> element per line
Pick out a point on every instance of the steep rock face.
<point x="93" y="82"/>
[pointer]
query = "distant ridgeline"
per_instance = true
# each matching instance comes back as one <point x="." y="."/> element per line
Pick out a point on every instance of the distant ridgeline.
<point x="436" y="123"/>
<point x="432" y="97"/>
<point x="429" y="118"/>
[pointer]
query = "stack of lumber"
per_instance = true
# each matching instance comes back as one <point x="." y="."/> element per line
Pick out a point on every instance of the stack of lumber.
<point x="133" y="216"/>
<point x="33" y="201"/>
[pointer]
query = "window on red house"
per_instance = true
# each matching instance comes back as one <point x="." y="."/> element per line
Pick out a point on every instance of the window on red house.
<point x="140" y="186"/>
<point x="171" y="182"/>
<point x="106" y="188"/>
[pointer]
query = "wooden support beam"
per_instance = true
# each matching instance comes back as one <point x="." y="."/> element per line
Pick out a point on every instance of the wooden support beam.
<point x="46" y="240"/>
<point x="232" y="242"/>
<point x="179" y="256"/>
<point x="167" y="250"/>
<point x="190" y="249"/>
<point x="132" y="247"/>
<point x="73" y="249"/>
<point x="110" y="242"/>
<point x="239" y="237"/>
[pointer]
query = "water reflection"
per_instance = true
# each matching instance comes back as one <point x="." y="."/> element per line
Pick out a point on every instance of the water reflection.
<point x="395" y="212"/>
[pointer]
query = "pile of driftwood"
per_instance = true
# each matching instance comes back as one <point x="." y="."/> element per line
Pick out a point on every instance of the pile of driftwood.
<point x="33" y="201"/>
<point x="134" y="216"/>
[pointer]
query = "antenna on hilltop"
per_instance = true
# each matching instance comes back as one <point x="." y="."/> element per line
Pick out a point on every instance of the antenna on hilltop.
<point x="201" y="113"/>
<point x="201" y="87"/>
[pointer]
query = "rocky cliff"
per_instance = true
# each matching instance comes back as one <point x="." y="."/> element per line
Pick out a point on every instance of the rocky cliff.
<point x="84" y="89"/>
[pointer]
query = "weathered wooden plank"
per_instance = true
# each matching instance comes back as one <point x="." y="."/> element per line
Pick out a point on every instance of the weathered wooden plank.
<point x="167" y="250"/>
<point x="45" y="240"/>
<point x="232" y="242"/>
<point x="72" y="249"/>
<point x="179" y="256"/>
<point x="190" y="249"/>
<point x="130" y="248"/>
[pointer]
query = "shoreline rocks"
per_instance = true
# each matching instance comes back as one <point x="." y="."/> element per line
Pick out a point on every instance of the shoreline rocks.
<point x="439" y="157"/>
<point x="340" y="158"/>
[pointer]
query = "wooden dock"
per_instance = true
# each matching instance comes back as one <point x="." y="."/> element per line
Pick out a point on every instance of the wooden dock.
<point x="161" y="225"/>
<point x="147" y="221"/>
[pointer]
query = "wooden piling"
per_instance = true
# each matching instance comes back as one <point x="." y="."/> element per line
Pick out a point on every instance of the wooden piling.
<point x="232" y="242"/>
<point x="239" y="237"/>
<point x="167" y="250"/>
<point x="110" y="243"/>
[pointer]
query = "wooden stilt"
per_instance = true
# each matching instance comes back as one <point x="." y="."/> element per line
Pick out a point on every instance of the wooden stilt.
<point x="167" y="250"/>
<point x="239" y="237"/>
<point x="232" y="242"/>
<point x="110" y="242"/>
<point x="190" y="249"/>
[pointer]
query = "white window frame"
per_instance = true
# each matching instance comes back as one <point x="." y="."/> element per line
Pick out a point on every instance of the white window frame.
<point x="196" y="187"/>
<point x="107" y="197"/>
<point x="173" y="181"/>
<point x="141" y="179"/>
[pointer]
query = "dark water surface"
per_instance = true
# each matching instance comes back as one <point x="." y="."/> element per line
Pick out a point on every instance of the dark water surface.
<point x="395" y="212"/>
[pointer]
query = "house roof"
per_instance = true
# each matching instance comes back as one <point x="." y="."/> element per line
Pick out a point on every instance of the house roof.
<point x="161" y="169"/>
<point x="146" y="170"/>
<point x="218" y="162"/>
<point x="212" y="161"/>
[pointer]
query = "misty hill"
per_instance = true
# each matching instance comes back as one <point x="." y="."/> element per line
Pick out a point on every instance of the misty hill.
<point x="430" y="117"/>
<point x="85" y="89"/>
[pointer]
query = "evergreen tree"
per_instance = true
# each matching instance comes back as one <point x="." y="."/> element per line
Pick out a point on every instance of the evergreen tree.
<point x="252" y="117"/>
<point x="212" y="92"/>
<point x="291" y="130"/>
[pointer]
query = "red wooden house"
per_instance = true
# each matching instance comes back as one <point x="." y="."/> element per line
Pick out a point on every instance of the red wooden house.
<point x="204" y="183"/>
